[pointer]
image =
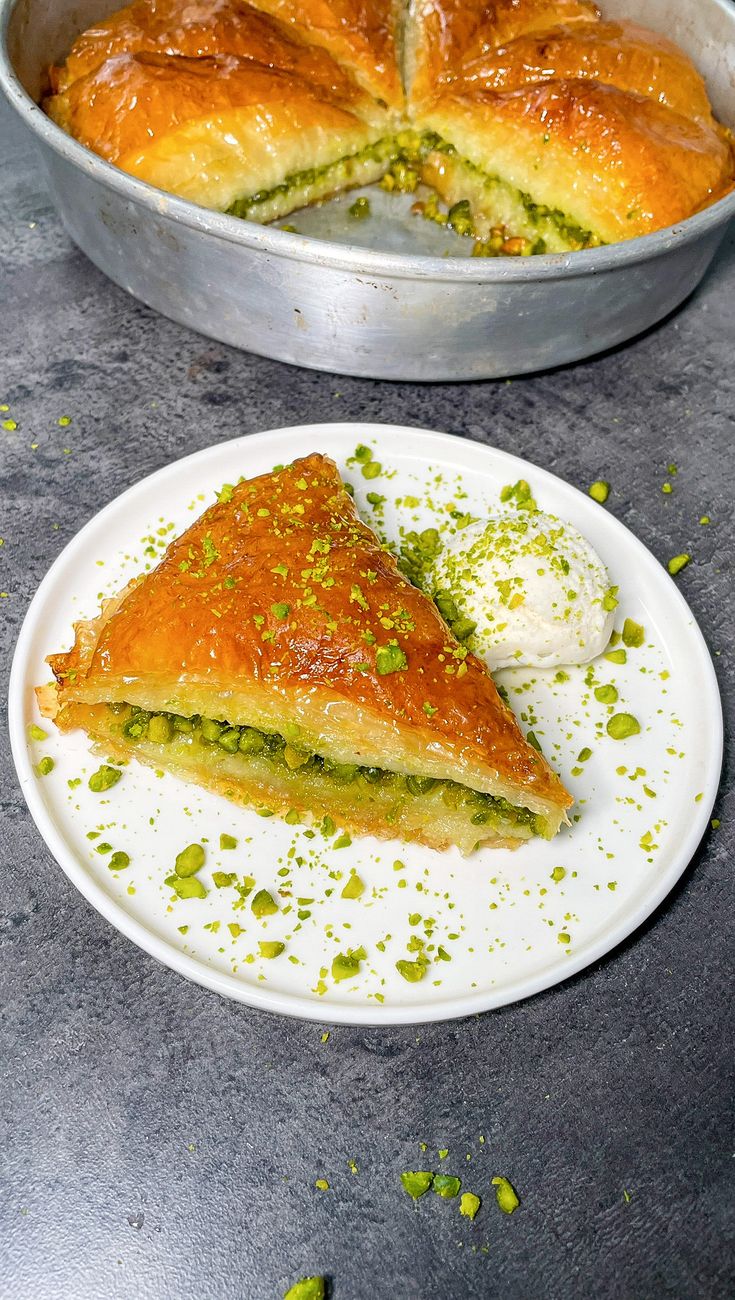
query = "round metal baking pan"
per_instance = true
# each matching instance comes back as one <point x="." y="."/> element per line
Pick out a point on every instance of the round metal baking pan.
<point x="331" y="305"/>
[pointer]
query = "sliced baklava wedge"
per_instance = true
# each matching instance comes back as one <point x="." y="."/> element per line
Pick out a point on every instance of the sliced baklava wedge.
<point x="569" y="163"/>
<point x="278" y="656"/>
<point x="231" y="133"/>
<point x="558" y="129"/>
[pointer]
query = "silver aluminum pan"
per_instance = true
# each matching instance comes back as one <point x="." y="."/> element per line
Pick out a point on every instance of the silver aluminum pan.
<point x="330" y="305"/>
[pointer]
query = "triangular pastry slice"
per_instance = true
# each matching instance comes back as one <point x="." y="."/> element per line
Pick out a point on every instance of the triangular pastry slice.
<point x="235" y="106"/>
<point x="569" y="163"/>
<point x="258" y="138"/>
<point x="278" y="656"/>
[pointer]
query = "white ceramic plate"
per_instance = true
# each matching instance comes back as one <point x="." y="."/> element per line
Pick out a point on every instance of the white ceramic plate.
<point x="643" y="803"/>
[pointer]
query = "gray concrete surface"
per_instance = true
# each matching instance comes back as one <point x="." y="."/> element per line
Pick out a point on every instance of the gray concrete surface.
<point x="156" y="1141"/>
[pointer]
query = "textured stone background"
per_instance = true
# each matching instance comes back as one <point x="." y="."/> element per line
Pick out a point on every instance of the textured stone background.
<point x="156" y="1141"/>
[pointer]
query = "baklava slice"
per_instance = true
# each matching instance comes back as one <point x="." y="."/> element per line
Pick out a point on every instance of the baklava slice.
<point x="227" y="133"/>
<point x="569" y="163"/>
<point x="572" y="135"/>
<point x="277" y="656"/>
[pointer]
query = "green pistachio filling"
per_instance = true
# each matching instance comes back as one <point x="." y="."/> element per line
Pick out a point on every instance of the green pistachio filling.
<point x="360" y="209"/>
<point x="104" y="778"/>
<point x="308" y="1288"/>
<point x="346" y="965"/>
<point x="391" y="793"/>
<point x="189" y="860"/>
<point x="302" y="188"/>
<point x="623" y="725"/>
<point x="270" y="948"/>
<point x="469" y="1205"/>
<point x="397" y="162"/>
<point x="488" y="199"/>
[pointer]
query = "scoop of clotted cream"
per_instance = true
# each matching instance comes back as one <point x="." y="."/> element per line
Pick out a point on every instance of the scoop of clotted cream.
<point x="536" y="590"/>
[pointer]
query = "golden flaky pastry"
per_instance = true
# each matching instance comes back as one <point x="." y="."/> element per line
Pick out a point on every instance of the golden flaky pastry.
<point x="442" y="35"/>
<point x="278" y="656"/>
<point x="542" y="126"/>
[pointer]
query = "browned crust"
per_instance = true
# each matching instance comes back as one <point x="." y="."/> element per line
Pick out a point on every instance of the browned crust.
<point x="73" y="664"/>
<point x="361" y="34"/>
<point x="336" y="45"/>
<point x="446" y="33"/>
<point x="619" y="54"/>
<point x="198" y="31"/>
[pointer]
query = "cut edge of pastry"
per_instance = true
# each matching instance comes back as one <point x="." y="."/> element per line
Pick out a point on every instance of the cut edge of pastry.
<point x="260" y="767"/>
<point x="264" y="772"/>
<point x="313" y="184"/>
<point x="497" y="213"/>
<point x="491" y="210"/>
<point x="527" y="149"/>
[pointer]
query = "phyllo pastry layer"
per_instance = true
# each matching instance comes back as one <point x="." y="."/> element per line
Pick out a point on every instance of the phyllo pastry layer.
<point x="620" y="54"/>
<point x="278" y="656"/>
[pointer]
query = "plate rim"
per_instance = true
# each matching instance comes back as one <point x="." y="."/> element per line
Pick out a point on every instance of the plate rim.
<point x="302" y="1007"/>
